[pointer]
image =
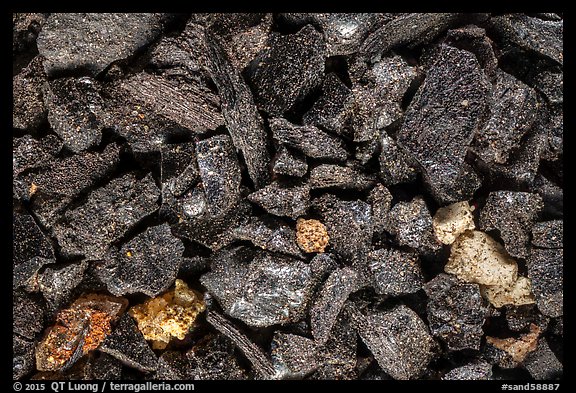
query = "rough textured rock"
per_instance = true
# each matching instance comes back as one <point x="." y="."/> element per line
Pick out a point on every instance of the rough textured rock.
<point x="289" y="163"/>
<point x="58" y="282"/>
<point x="294" y="356"/>
<point x="332" y="110"/>
<point x="519" y="294"/>
<point x="411" y="223"/>
<point x="396" y="166"/>
<point x="470" y="372"/>
<point x="380" y="199"/>
<point x="27" y="315"/>
<point x="548" y="234"/>
<point x="288" y="200"/>
<point x="23" y="357"/>
<point x="311" y="235"/>
<point x="545" y="270"/>
<point x="395" y="272"/>
<point x="269" y="234"/>
<point x="451" y="221"/>
<point x="28" y="111"/>
<point x="517" y="348"/>
<point x="339" y="177"/>
<point x="542" y="364"/>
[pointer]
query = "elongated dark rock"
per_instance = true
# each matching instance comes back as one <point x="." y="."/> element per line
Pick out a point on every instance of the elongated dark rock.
<point x="339" y="177"/>
<point x="283" y="200"/>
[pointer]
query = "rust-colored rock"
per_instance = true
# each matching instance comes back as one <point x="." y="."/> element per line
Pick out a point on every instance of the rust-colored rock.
<point x="311" y="235"/>
<point x="517" y="348"/>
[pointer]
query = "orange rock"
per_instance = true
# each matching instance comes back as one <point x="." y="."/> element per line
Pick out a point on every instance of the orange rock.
<point x="311" y="235"/>
<point x="517" y="348"/>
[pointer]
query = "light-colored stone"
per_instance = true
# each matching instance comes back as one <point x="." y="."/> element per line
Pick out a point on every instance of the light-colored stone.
<point x="520" y="293"/>
<point x="451" y="221"/>
<point x="311" y="235"/>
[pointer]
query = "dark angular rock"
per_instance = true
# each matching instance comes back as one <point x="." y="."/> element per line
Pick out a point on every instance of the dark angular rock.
<point x="519" y="318"/>
<point x="28" y="315"/>
<point x="214" y="359"/>
<point x="173" y="366"/>
<point x="289" y="163"/>
<point x="552" y="129"/>
<point x="542" y="364"/>
<point x="75" y="111"/>
<point x="106" y="215"/>
<point x="551" y="84"/>
<point x="456" y="311"/>
<point x="511" y="116"/>
<point x="65" y="179"/>
<point x="28" y="111"/>
<point x="398" y="339"/>
<point x="513" y="214"/>
<point x="283" y="200"/>
<point x="127" y="344"/>
<point x="533" y="34"/>
<point x="310" y="140"/>
<point x="396" y="166"/>
<point x="287" y="69"/>
<point x="548" y="234"/>
<point x="330" y="301"/>
<point x="380" y="199"/>
<point x="293" y="356"/>
<point x="551" y="194"/>
<point x="31" y="251"/>
<point x="470" y="372"/>
<point x="331" y="111"/>
<point x="442" y="118"/>
<point x="105" y="367"/>
<point x="23" y="361"/>
<point x="179" y="169"/>
<point x="322" y="265"/>
<point x="25" y="29"/>
<point x="29" y="154"/>
<point x="474" y="39"/>
<point x="269" y="234"/>
<point x="90" y="42"/>
<point x="395" y="272"/>
<point x="339" y="177"/>
<point x="463" y="188"/>
<point x="240" y="114"/>
<point x="411" y="223"/>
<point x="545" y="270"/>
<point x="266" y="290"/>
<point x="146" y="264"/>
<point x="412" y="30"/>
<point x="57" y="283"/>
<point x="193" y="266"/>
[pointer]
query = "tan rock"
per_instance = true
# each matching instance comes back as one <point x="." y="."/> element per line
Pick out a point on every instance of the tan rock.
<point x="311" y="235"/>
<point x="169" y="315"/>
<point x="517" y="348"/>
<point x="520" y="293"/>
<point x="476" y="257"/>
<point x="451" y="221"/>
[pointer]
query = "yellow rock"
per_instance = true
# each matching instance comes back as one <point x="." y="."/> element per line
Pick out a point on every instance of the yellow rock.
<point x="520" y="293"/>
<point x="169" y="315"/>
<point x="311" y="235"/>
<point x="451" y="221"/>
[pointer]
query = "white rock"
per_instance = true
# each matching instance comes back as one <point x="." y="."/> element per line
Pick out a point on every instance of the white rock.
<point x="451" y="221"/>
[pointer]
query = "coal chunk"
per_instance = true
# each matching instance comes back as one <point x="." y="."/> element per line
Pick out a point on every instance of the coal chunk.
<point x="456" y="311"/>
<point x="339" y="177"/>
<point x="287" y="69"/>
<point x="147" y="264"/>
<point x="470" y="372"/>
<point x="310" y="140"/>
<point x="58" y="282"/>
<point x="107" y="214"/>
<point x="127" y="344"/>
<point x="513" y="214"/>
<point x="283" y="199"/>
<point x="28" y="110"/>
<point x="289" y="163"/>
<point x="240" y="114"/>
<point x="23" y="361"/>
<point x="396" y="166"/>
<point x="27" y="314"/>
<point x="398" y="339"/>
<point x="266" y="290"/>
<point x="545" y="270"/>
<point x="31" y="250"/>
<point x="331" y="111"/>
<point x="330" y="302"/>
<point x="511" y="115"/>
<point x="269" y="234"/>
<point x="293" y="356"/>
<point x="411" y="223"/>
<point x="542" y="364"/>
<point x="533" y="34"/>
<point x="395" y="272"/>
<point x="90" y="42"/>
<point x="442" y="118"/>
<point x="548" y="234"/>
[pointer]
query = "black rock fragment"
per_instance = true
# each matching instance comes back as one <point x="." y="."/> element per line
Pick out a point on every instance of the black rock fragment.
<point x="293" y="356"/>
<point x="146" y="264"/>
<point x="240" y="114"/>
<point x="283" y="199"/>
<point x="172" y="366"/>
<point x="289" y="163"/>
<point x="287" y="69"/>
<point x="57" y="283"/>
<point x="396" y="166"/>
<point x="28" y="111"/>
<point x="65" y="179"/>
<point x="28" y="315"/>
<point x="104" y="367"/>
<point x="90" y="42"/>
<point x="519" y="318"/>
<point x="269" y="234"/>
<point x="411" y="223"/>
<point x="265" y="290"/>
<point x="412" y="30"/>
<point x="456" y="311"/>
<point x="395" y="272"/>
<point x="398" y="339"/>
<point x="380" y="199"/>
<point x="107" y="214"/>
<point x="533" y="34"/>
<point x="551" y="194"/>
<point x="23" y="361"/>
<point x="548" y="234"/>
<point x="310" y="140"/>
<point x="474" y="39"/>
<point x="192" y="267"/>
<point x="513" y="214"/>
<point x="339" y="177"/>
<point x="30" y="155"/>
<point x="329" y="302"/>
<point x="542" y="364"/>
<point x="213" y="358"/>
<point x="179" y="169"/>
<point x="511" y="115"/>
<point x="127" y="344"/>
<point x="25" y="29"/>
<point x="474" y="371"/>
<point x="545" y="270"/>
<point x="31" y="251"/>
<point x="551" y="84"/>
<point x="442" y="118"/>
<point x="75" y="111"/>
<point x="332" y="110"/>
